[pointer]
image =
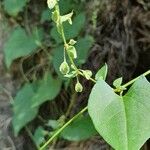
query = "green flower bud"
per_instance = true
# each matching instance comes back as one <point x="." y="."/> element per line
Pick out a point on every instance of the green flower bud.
<point x="55" y="16"/>
<point x="78" y="87"/>
<point x="72" y="51"/>
<point x="64" y="68"/>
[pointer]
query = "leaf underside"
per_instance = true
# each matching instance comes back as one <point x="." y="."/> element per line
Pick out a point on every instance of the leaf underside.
<point x="123" y="122"/>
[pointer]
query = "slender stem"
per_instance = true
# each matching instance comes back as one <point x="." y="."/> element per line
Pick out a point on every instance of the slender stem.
<point x="63" y="127"/>
<point x="132" y="81"/>
<point x="72" y="102"/>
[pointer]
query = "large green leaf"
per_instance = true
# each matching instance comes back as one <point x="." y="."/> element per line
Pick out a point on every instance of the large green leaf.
<point x="18" y="45"/>
<point x="123" y="122"/>
<point x="13" y="7"/>
<point x="80" y="129"/>
<point x="30" y="97"/>
<point x="22" y="108"/>
<point x="39" y="135"/>
<point x="71" y="31"/>
<point x="48" y="89"/>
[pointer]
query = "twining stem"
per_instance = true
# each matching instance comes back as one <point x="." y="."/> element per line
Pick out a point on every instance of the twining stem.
<point x="63" y="127"/>
<point x="84" y="110"/>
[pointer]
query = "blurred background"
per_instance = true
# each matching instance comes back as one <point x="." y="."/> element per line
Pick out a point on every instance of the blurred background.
<point x="116" y="32"/>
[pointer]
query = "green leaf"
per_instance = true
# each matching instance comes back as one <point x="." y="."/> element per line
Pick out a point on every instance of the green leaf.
<point x="18" y="45"/>
<point x="48" y="89"/>
<point x="22" y="108"/>
<point x="102" y="73"/>
<point x="72" y="42"/>
<point x="81" y="129"/>
<point x="83" y="47"/>
<point x="30" y="97"/>
<point x="46" y="15"/>
<point x="122" y="121"/>
<point x="117" y="83"/>
<point x="39" y="135"/>
<point x="53" y="124"/>
<point x="71" y="31"/>
<point x="13" y="7"/>
<point x="38" y="35"/>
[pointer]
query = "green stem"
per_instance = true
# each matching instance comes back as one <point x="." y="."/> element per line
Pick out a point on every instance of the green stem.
<point x="63" y="127"/>
<point x="72" y="102"/>
<point x="132" y="81"/>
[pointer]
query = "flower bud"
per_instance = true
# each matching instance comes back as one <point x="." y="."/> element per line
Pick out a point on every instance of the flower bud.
<point x="64" y="68"/>
<point x="78" y="87"/>
<point x="72" y="42"/>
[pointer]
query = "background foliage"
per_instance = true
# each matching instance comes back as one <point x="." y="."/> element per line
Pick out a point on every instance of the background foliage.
<point x="35" y="50"/>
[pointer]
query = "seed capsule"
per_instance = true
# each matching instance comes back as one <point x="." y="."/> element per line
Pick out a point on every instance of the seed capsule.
<point x="78" y="87"/>
<point x="64" y="68"/>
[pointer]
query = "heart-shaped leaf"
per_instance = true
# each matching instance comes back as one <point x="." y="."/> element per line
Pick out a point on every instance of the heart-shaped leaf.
<point x="18" y="45"/>
<point x="13" y="7"/>
<point x="30" y="97"/>
<point x="123" y="122"/>
<point x="102" y="73"/>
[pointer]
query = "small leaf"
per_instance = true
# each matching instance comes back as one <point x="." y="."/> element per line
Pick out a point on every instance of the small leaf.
<point x="13" y="7"/>
<point x="81" y="129"/>
<point x="102" y="73"/>
<point x="18" y="45"/>
<point x="117" y="83"/>
<point x="51" y="3"/>
<point x="39" y="135"/>
<point x="53" y="124"/>
<point x="122" y="121"/>
<point x="72" y="42"/>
